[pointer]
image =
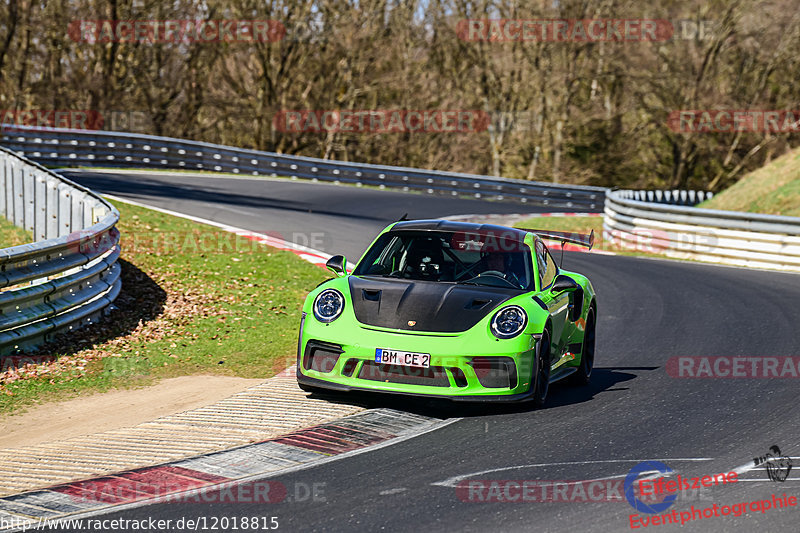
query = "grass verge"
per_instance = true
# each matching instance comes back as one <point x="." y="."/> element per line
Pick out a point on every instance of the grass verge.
<point x="11" y="235"/>
<point x="195" y="300"/>
<point x="773" y="189"/>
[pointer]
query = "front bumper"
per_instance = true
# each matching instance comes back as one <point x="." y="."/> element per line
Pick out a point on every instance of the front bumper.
<point x="469" y="366"/>
<point x="499" y="398"/>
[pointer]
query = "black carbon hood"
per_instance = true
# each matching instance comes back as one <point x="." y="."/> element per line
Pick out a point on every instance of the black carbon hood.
<point x="432" y="306"/>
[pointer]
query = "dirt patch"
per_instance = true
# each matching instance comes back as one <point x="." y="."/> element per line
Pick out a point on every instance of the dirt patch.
<point x="116" y="409"/>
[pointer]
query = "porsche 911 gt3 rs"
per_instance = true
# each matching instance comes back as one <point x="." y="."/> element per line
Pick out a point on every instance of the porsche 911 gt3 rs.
<point x="453" y="310"/>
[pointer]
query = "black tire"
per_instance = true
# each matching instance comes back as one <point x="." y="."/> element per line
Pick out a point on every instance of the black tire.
<point x="584" y="373"/>
<point x="541" y="383"/>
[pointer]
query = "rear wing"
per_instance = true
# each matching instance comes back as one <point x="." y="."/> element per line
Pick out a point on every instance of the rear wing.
<point x="572" y="238"/>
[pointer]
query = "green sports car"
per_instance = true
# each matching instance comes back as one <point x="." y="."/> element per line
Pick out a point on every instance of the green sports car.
<point x="454" y="310"/>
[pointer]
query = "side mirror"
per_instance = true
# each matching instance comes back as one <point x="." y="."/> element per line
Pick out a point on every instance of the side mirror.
<point x="336" y="265"/>
<point x="564" y="283"/>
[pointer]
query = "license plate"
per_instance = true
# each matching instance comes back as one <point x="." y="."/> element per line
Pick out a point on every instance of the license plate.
<point x="401" y="358"/>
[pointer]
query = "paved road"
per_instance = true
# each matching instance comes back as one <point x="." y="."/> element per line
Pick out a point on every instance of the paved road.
<point x="332" y="218"/>
<point x="649" y="311"/>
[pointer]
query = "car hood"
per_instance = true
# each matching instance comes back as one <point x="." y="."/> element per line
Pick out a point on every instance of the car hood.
<point x="423" y="305"/>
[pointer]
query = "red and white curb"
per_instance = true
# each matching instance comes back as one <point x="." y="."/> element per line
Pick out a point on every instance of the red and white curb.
<point x="214" y="478"/>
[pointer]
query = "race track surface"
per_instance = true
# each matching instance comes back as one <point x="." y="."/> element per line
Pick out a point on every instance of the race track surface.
<point x="649" y="311"/>
<point x="332" y="218"/>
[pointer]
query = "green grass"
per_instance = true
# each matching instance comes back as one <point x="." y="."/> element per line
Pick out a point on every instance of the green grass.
<point x="11" y="235"/>
<point x="230" y="307"/>
<point x="772" y="189"/>
<point x="568" y="224"/>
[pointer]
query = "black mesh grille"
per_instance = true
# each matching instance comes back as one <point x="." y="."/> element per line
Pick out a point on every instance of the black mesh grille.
<point x="349" y="367"/>
<point x="434" y="376"/>
<point x="495" y="372"/>
<point x="321" y="358"/>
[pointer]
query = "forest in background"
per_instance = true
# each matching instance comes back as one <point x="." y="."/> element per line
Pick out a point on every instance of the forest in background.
<point x="578" y="111"/>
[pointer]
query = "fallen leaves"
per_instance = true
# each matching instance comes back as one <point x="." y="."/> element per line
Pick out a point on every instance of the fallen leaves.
<point x="184" y="306"/>
<point x="148" y="309"/>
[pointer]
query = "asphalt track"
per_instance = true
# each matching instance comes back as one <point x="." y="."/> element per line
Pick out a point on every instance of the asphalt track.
<point x="649" y="311"/>
<point x="332" y="218"/>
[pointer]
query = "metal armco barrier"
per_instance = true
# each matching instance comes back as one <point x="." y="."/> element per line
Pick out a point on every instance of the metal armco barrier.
<point x="70" y="275"/>
<point x="727" y="237"/>
<point x="63" y="147"/>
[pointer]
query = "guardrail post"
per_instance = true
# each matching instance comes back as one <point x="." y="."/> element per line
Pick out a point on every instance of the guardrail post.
<point x="40" y="206"/>
<point x="5" y="188"/>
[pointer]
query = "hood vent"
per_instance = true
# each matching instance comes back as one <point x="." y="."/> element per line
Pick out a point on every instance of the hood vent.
<point x="373" y="295"/>
<point x="477" y="303"/>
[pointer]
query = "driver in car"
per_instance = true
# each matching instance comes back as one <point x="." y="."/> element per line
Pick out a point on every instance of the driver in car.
<point x="497" y="263"/>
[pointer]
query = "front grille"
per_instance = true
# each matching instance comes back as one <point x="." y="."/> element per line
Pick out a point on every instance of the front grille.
<point x="349" y="367"/>
<point x="495" y="372"/>
<point x="459" y="377"/>
<point x="321" y="357"/>
<point x="434" y="376"/>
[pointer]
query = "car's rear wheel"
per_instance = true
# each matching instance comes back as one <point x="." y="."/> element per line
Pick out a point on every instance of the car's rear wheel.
<point x="542" y="377"/>
<point x="584" y="373"/>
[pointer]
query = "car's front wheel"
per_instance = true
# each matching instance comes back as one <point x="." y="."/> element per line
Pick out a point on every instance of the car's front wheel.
<point x="541" y="382"/>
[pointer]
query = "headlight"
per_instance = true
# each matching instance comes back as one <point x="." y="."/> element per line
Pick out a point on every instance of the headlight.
<point x="509" y="322"/>
<point x="328" y="305"/>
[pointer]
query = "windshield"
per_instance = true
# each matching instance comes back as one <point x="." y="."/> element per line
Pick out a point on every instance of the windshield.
<point x="449" y="257"/>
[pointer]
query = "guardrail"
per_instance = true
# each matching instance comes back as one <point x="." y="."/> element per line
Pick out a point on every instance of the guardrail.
<point x="70" y="275"/>
<point x="664" y="218"/>
<point x="64" y="147"/>
<point x="728" y="237"/>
